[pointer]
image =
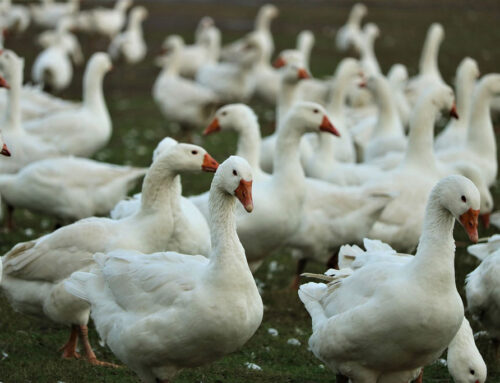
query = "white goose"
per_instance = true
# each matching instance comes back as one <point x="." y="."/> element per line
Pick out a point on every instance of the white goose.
<point x="234" y="81"/>
<point x="52" y="67"/>
<point x="109" y="22"/>
<point x="180" y="99"/>
<point x="49" y="13"/>
<point x="182" y="311"/>
<point x="16" y="16"/>
<point x="366" y="49"/>
<point x="396" y="337"/>
<point x="130" y="43"/>
<point x="398" y="78"/>
<point x="24" y="146"/>
<point x="480" y="146"/>
<point x="34" y="271"/>
<point x="455" y="132"/>
<point x="429" y="74"/>
<point x="85" y="130"/>
<point x="350" y="34"/>
<point x="483" y="289"/>
<point x="68" y="188"/>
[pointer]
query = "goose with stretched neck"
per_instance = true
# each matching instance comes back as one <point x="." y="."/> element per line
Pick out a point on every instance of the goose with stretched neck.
<point x="429" y="74"/>
<point x="350" y="33"/>
<point x="366" y="49"/>
<point x="455" y="132"/>
<point x="182" y="311"/>
<point x="267" y="228"/>
<point x="482" y="289"/>
<point x="182" y="100"/>
<point x="290" y="77"/>
<point x="85" y="130"/>
<point x="480" y="146"/>
<point x="34" y="271"/>
<point x="363" y="352"/>
<point x="24" y="146"/>
<point x="130" y="43"/>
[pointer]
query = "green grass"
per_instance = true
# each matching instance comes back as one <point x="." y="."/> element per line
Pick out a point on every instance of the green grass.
<point x="30" y="346"/>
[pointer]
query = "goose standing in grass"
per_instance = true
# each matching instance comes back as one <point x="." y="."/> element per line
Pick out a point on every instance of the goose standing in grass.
<point x="483" y="289"/>
<point x="350" y="33"/>
<point x="182" y="100"/>
<point x="429" y="74"/>
<point x="85" y="130"/>
<point x="358" y="330"/>
<point x="24" y="146"/>
<point x="455" y="132"/>
<point x="34" y="271"/>
<point x="52" y="67"/>
<point x="480" y="146"/>
<point x="180" y="311"/>
<point x="68" y="188"/>
<point x="130" y="43"/>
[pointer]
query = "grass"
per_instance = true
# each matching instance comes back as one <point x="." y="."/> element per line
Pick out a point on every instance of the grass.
<point x="28" y="346"/>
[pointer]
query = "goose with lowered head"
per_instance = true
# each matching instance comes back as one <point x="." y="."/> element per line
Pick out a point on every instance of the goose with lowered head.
<point x="34" y="271"/>
<point x="85" y="130"/>
<point x="401" y="339"/>
<point x="130" y="43"/>
<point x="181" y="311"/>
<point x="181" y="99"/>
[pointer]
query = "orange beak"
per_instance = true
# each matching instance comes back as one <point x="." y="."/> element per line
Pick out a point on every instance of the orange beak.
<point x="302" y="73"/>
<point x="4" y="84"/>
<point x="453" y="111"/>
<point x="469" y="222"/>
<point x="209" y="164"/>
<point x="327" y="126"/>
<point x="485" y="220"/>
<point x="279" y="62"/>
<point x="5" y="151"/>
<point x="244" y="193"/>
<point x="362" y="84"/>
<point x="213" y="127"/>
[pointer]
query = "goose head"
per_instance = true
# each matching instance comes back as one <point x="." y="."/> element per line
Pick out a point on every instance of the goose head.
<point x="289" y="57"/>
<point x="184" y="158"/>
<point x="123" y="5"/>
<point x="465" y="363"/>
<point x="460" y="197"/>
<point x="172" y="44"/>
<point x="310" y="117"/>
<point x="234" y="176"/>
<point x="490" y="84"/>
<point x="12" y="65"/>
<point x="293" y="73"/>
<point x="100" y="62"/>
<point x="266" y="13"/>
<point x="435" y="33"/>
<point x="348" y="69"/>
<point x="139" y="13"/>
<point x="442" y="98"/>
<point x="231" y="117"/>
<point x="398" y="76"/>
<point x="468" y="69"/>
<point x="358" y="11"/>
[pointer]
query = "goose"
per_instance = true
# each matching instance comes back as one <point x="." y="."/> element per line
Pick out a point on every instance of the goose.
<point x="49" y="13"/>
<point x="205" y="48"/>
<point x="109" y="22"/>
<point x="68" y="188"/>
<point x="182" y="311"/>
<point x="180" y="99"/>
<point x="350" y="33"/>
<point x="429" y="74"/>
<point x="24" y="146"/>
<point x="480" y="145"/>
<point x="455" y="132"/>
<point x="130" y="43"/>
<point x="52" y="67"/>
<point x="300" y="55"/>
<point x="195" y="219"/>
<point x="386" y="134"/>
<point x="262" y="28"/>
<point x="266" y="229"/>
<point x="401" y="339"/>
<point x="234" y="81"/>
<point x="17" y="17"/>
<point x="290" y="77"/>
<point x="85" y="130"/>
<point x="483" y="290"/>
<point x="34" y="271"/>
<point x="398" y="78"/>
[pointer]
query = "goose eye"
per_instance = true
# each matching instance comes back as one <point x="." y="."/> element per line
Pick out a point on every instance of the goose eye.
<point x="316" y="111"/>
<point x="194" y="152"/>
<point x="464" y="199"/>
<point x="472" y="371"/>
<point x="235" y="173"/>
<point x="224" y="113"/>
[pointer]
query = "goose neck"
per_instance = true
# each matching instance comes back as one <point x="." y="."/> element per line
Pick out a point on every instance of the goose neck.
<point x="93" y="96"/>
<point x="13" y="112"/>
<point x="429" y="59"/>
<point x="286" y="97"/>
<point x="388" y="117"/>
<point x="338" y="96"/>
<point x="287" y="166"/>
<point x="480" y="133"/>
<point x="465" y="88"/>
<point x="249" y="143"/>
<point x="161" y="189"/>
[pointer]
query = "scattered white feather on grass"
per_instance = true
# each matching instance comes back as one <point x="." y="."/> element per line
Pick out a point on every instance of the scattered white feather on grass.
<point x="273" y="332"/>
<point x="293" y="342"/>
<point x="253" y="366"/>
